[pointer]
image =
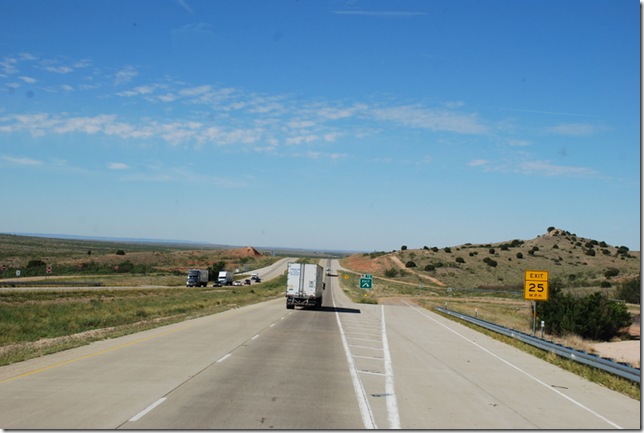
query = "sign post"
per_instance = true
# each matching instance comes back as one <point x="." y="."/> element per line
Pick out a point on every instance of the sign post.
<point x="535" y="288"/>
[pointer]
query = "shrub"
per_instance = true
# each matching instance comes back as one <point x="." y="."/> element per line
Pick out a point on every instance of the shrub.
<point x="519" y="255"/>
<point x="611" y="272"/>
<point x="36" y="264"/>
<point x="120" y="253"/>
<point x="447" y="249"/>
<point x="391" y="272"/>
<point x="629" y="291"/>
<point x="593" y="317"/>
<point x="410" y="264"/>
<point x="460" y="260"/>
<point x="430" y="268"/>
<point x="490" y="262"/>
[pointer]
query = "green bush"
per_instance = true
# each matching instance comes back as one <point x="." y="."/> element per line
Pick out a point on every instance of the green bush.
<point x="611" y="272"/>
<point x="630" y="291"/>
<point x="391" y="272"/>
<point x="410" y="264"/>
<point x="490" y="262"/>
<point x="594" y="317"/>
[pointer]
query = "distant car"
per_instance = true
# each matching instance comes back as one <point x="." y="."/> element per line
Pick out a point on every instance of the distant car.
<point x="247" y="282"/>
<point x="217" y="284"/>
<point x="258" y="280"/>
<point x="237" y="283"/>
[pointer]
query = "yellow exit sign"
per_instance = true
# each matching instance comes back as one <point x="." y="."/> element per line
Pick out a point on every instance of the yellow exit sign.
<point x="535" y="287"/>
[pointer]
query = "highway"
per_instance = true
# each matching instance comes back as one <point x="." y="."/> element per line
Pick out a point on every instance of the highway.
<point x="345" y="366"/>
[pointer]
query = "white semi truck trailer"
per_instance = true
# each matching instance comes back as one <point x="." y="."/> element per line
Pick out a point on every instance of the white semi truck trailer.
<point x="304" y="285"/>
<point x="225" y="278"/>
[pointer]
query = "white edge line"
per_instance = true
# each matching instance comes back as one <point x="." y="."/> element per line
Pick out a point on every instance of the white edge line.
<point x="147" y="409"/>
<point x="392" y="402"/>
<point x="520" y="370"/>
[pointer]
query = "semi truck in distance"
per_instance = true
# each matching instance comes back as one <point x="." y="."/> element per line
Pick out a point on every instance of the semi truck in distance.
<point x="197" y="277"/>
<point x="304" y="285"/>
<point x="225" y="278"/>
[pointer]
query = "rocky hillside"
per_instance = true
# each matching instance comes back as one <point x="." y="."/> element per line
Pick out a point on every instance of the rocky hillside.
<point x="576" y="261"/>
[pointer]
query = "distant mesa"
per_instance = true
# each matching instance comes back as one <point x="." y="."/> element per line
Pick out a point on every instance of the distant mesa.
<point x="246" y="252"/>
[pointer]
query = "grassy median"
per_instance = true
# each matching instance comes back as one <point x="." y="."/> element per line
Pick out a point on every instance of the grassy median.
<point x="37" y="322"/>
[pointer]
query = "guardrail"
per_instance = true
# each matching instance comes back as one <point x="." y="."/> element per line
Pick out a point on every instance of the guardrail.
<point x="617" y="368"/>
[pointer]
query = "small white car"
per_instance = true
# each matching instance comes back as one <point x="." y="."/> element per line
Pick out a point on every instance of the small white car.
<point x="237" y="283"/>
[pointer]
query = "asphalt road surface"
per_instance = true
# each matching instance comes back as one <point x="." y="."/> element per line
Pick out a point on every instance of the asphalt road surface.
<point x="345" y="366"/>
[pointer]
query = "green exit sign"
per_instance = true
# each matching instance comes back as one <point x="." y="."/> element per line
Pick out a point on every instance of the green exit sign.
<point x="365" y="283"/>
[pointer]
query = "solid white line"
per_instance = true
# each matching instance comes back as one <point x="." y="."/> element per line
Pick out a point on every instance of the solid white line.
<point x="392" y="403"/>
<point x="255" y="337"/>
<point x="147" y="409"/>
<point x="518" y="369"/>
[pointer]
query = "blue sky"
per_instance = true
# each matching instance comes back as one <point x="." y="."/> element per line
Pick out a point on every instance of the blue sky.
<point x="355" y="125"/>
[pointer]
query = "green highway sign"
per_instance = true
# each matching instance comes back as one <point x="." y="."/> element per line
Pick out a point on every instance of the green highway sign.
<point x="365" y="283"/>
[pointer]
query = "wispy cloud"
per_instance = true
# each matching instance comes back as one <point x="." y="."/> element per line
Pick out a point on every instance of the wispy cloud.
<point x="543" y="168"/>
<point x="184" y="4"/>
<point x="548" y="169"/>
<point x="125" y="75"/>
<point x="436" y="120"/>
<point x="573" y="129"/>
<point x="17" y="160"/>
<point x="382" y="14"/>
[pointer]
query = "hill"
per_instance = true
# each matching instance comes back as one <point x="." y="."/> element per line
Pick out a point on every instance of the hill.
<point x="576" y="261"/>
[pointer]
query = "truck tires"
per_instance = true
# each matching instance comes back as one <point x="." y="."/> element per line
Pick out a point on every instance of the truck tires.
<point x="289" y="305"/>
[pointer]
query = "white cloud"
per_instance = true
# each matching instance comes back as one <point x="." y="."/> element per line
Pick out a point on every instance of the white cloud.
<point x="117" y="166"/>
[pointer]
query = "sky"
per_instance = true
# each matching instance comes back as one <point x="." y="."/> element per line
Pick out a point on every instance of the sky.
<point x="321" y="124"/>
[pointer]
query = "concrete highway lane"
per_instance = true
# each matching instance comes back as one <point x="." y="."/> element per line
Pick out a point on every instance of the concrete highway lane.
<point x="345" y="366"/>
<point x="292" y="375"/>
